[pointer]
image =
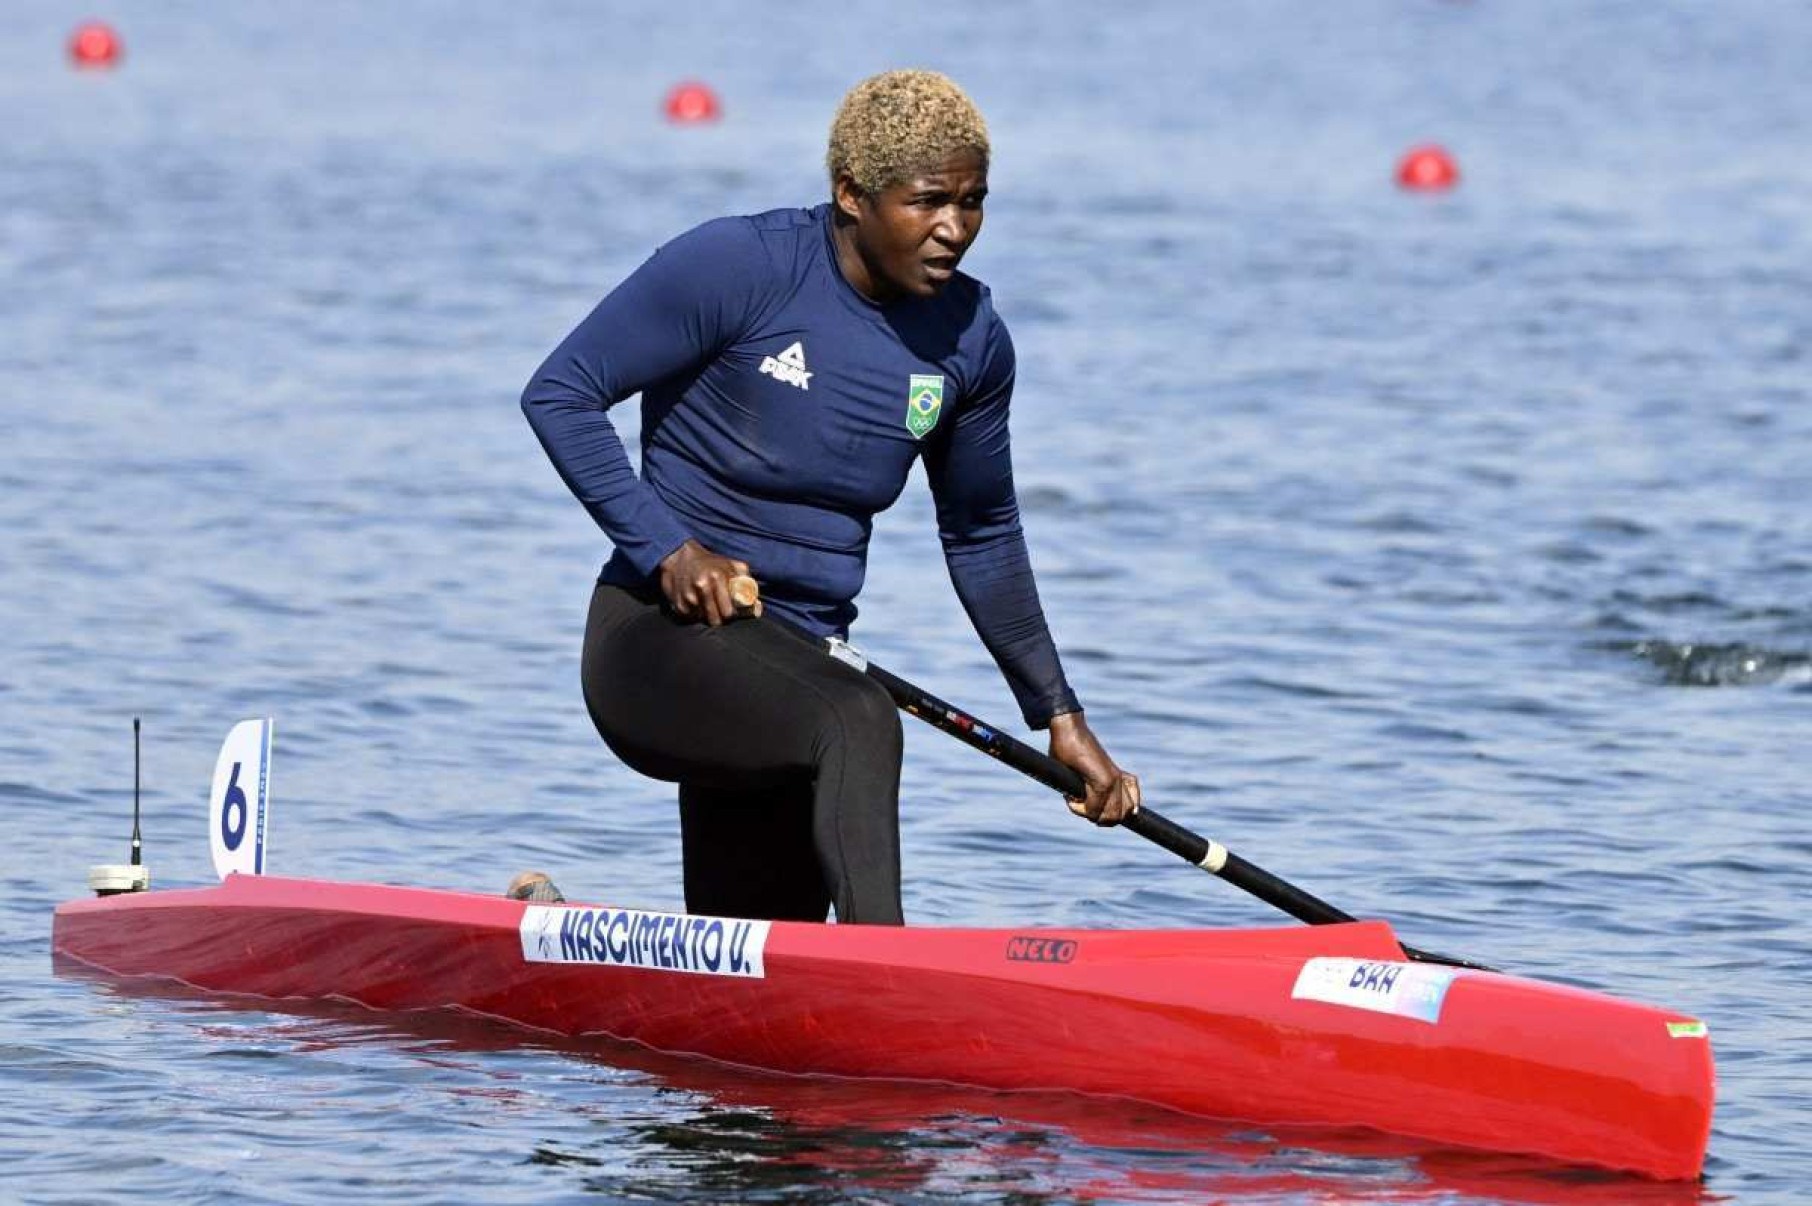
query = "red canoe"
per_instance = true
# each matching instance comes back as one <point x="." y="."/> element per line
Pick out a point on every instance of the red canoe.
<point x="1315" y="1026"/>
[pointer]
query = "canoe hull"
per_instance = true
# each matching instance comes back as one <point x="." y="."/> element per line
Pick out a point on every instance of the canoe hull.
<point x="1321" y="1026"/>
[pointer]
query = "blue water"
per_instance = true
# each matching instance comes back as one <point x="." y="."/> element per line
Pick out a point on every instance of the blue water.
<point x="1449" y="556"/>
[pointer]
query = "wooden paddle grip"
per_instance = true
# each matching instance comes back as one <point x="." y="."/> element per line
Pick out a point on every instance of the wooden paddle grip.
<point x="745" y="592"/>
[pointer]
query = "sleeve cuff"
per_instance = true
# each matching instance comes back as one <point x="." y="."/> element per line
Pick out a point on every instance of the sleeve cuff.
<point x="656" y="534"/>
<point x="1039" y="716"/>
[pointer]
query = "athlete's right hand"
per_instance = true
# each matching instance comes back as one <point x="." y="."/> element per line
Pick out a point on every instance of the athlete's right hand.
<point x="696" y="582"/>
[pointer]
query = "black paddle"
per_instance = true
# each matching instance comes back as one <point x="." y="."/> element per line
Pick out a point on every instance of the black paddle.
<point x="1211" y="857"/>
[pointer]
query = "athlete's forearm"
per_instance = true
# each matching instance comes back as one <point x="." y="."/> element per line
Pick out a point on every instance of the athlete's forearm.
<point x="993" y="578"/>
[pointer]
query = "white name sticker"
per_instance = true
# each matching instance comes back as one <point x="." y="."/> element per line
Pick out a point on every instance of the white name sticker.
<point x="675" y="942"/>
<point x="1409" y="990"/>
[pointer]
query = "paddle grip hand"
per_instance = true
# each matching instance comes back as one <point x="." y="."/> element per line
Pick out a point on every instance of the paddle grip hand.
<point x="702" y="585"/>
<point x="1110" y="795"/>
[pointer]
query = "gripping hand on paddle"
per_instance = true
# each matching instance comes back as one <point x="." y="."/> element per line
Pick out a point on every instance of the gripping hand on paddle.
<point x="701" y="585"/>
<point x="1113" y="795"/>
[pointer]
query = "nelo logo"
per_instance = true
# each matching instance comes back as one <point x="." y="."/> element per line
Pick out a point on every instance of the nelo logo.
<point x="1041" y="950"/>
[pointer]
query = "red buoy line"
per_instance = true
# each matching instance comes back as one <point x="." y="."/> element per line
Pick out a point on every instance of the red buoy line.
<point x="692" y="103"/>
<point x="1428" y="168"/>
<point x="95" y="44"/>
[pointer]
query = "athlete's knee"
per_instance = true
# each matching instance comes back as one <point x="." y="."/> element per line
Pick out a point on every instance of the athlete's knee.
<point x="877" y="715"/>
<point x="864" y="715"/>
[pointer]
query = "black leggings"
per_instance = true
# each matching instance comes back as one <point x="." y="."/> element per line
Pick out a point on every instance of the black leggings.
<point x="788" y="760"/>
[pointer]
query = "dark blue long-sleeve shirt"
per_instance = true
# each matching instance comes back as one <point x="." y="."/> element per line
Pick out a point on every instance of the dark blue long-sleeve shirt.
<point x="781" y="410"/>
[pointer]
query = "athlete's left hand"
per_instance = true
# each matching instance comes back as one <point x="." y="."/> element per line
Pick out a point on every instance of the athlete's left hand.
<point x="1113" y="794"/>
<point x="702" y="585"/>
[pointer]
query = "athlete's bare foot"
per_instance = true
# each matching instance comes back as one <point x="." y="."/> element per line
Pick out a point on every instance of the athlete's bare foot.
<point x="535" y="886"/>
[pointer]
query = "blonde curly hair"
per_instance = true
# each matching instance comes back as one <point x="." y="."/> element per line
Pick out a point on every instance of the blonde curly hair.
<point x="893" y="125"/>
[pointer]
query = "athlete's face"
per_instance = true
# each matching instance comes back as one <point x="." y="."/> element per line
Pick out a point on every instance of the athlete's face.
<point x="906" y="241"/>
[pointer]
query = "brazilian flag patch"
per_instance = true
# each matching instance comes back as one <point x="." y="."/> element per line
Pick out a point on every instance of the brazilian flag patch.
<point x="924" y="399"/>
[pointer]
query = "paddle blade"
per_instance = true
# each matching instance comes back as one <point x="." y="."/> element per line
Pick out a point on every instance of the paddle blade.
<point x="238" y="807"/>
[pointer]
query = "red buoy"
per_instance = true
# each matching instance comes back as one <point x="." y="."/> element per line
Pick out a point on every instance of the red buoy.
<point x="94" y="44"/>
<point x="692" y="102"/>
<point x="1427" y="168"/>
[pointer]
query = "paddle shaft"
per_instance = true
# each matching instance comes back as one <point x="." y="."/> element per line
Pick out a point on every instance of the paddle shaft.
<point x="1212" y="857"/>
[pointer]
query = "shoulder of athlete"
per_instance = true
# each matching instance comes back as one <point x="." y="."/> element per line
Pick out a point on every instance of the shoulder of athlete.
<point x="739" y="267"/>
<point x="987" y="347"/>
<point x="728" y="247"/>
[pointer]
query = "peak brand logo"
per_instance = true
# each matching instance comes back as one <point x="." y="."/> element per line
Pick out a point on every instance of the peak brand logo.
<point x="789" y="366"/>
<point x="1023" y="948"/>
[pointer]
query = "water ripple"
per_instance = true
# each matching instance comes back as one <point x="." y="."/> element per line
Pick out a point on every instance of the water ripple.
<point x="1733" y="665"/>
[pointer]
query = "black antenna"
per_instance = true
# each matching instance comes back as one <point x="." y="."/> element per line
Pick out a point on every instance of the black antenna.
<point x="137" y="842"/>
